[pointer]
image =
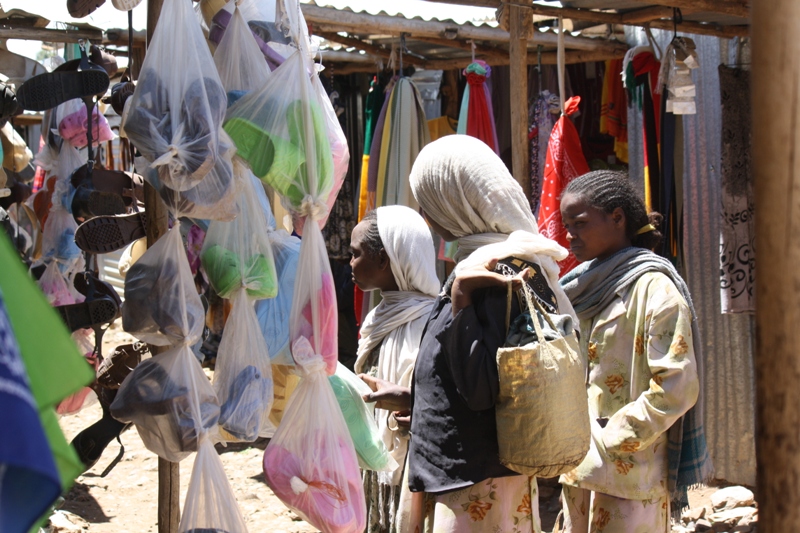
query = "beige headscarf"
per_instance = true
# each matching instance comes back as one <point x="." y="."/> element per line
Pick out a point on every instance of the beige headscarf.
<point x="461" y="184"/>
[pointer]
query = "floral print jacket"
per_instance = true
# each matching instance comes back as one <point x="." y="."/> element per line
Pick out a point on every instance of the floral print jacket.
<point x="642" y="379"/>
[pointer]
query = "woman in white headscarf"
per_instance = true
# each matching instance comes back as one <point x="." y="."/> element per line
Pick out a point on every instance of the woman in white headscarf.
<point x="392" y="251"/>
<point x="467" y="195"/>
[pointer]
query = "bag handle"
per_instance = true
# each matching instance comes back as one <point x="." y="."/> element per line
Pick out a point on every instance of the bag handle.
<point x="533" y="303"/>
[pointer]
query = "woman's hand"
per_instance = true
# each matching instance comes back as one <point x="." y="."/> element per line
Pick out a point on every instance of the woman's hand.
<point x="480" y="277"/>
<point x="387" y="395"/>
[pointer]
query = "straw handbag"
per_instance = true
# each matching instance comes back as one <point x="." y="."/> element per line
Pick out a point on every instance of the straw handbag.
<point x="542" y="409"/>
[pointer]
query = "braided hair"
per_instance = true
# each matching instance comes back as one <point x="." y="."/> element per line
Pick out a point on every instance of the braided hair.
<point x="372" y="242"/>
<point x="607" y="190"/>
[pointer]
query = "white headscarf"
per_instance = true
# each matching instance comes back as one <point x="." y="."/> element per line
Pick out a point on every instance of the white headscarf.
<point x="396" y="324"/>
<point x="461" y="184"/>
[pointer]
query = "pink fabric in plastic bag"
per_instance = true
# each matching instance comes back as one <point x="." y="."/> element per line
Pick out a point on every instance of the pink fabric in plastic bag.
<point x="73" y="128"/>
<point x="328" y="323"/>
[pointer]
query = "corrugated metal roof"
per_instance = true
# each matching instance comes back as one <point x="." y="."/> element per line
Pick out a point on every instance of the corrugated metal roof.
<point x="414" y="9"/>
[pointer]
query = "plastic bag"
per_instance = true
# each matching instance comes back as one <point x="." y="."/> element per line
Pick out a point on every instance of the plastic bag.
<point x="171" y="402"/>
<point x="213" y="199"/>
<point x="210" y="505"/>
<point x="273" y="313"/>
<point x="360" y="418"/>
<point x="161" y="305"/>
<point x="85" y="397"/>
<point x="310" y="463"/>
<point x="238" y="254"/>
<point x="73" y="125"/>
<point x="55" y="286"/>
<point x="179" y="103"/>
<point x="238" y="58"/>
<point x="243" y="375"/>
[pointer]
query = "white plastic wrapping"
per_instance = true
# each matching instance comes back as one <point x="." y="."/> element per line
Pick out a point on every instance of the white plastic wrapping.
<point x="238" y="254"/>
<point x="238" y="58"/>
<point x="175" y="116"/>
<point x="310" y="463"/>
<point x="210" y="503"/>
<point x="161" y="305"/>
<point x="243" y="375"/>
<point x="169" y="399"/>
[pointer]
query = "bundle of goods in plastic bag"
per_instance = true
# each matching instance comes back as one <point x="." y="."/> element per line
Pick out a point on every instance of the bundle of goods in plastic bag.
<point x="310" y="463"/>
<point x="238" y="254"/>
<point x="289" y="134"/>
<point x="161" y="305"/>
<point x="73" y="124"/>
<point x="238" y="59"/>
<point x="175" y="116"/>
<point x="360" y="417"/>
<point x="171" y="402"/>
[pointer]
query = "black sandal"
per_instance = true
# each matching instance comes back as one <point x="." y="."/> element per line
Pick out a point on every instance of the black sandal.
<point x="92" y="441"/>
<point x="52" y="89"/>
<point x="105" y="234"/>
<point x="89" y="314"/>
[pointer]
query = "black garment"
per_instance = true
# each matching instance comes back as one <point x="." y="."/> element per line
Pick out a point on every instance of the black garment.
<point x="453" y="394"/>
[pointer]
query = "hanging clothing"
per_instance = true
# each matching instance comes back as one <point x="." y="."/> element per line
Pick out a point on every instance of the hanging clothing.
<point x="476" y="117"/>
<point x="565" y="162"/>
<point x="373" y="108"/>
<point x="614" y="109"/>
<point x="441" y="126"/>
<point x="542" y="117"/>
<point x="29" y="480"/>
<point x="404" y="134"/>
<point x="390" y="340"/>
<point x="737" y="232"/>
<point x="641" y="79"/>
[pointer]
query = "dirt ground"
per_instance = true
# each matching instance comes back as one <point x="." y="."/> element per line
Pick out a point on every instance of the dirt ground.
<point x="125" y="501"/>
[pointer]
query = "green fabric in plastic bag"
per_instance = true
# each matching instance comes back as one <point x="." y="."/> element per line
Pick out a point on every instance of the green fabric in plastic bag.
<point x="370" y="449"/>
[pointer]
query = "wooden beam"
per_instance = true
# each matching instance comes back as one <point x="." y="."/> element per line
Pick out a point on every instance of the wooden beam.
<point x="647" y="14"/>
<point x="518" y="63"/>
<point x="776" y="166"/>
<point x="644" y="17"/>
<point x="734" y="8"/>
<point x="51" y="36"/>
<point x="355" y="62"/>
<point x="339" y="20"/>
<point x="371" y="49"/>
<point x="481" y="51"/>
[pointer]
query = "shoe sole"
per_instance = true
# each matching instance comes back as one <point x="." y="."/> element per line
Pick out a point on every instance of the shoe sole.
<point x="104" y="203"/>
<point x="102" y="235"/>
<point x="83" y="8"/>
<point x="52" y="89"/>
<point x="88" y="314"/>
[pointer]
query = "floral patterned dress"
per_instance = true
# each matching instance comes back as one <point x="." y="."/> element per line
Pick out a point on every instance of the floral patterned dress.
<point x="642" y="379"/>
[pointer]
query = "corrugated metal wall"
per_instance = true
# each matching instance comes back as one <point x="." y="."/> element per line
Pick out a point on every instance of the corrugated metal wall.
<point x="729" y="339"/>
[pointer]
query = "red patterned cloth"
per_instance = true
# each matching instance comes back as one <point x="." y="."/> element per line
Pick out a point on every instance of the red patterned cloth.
<point x="564" y="162"/>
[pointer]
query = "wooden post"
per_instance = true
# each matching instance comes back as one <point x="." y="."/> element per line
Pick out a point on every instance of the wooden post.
<point x="518" y="72"/>
<point x="157" y="224"/>
<point x="776" y="156"/>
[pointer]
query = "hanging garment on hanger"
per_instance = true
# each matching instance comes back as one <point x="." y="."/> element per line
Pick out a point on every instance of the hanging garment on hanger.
<point x="405" y="133"/>
<point x="372" y="111"/>
<point x="542" y="118"/>
<point x="565" y="162"/>
<point x="614" y="109"/>
<point x="476" y="118"/>
<point x="737" y="231"/>
<point x="641" y="78"/>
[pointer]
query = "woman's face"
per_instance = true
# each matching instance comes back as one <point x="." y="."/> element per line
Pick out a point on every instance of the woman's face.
<point x="369" y="273"/>
<point x="591" y="232"/>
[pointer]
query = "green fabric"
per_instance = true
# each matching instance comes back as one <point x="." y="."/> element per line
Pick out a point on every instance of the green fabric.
<point x="224" y="271"/>
<point x="320" y="146"/>
<point x="372" y="110"/>
<point x="55" y="367"/>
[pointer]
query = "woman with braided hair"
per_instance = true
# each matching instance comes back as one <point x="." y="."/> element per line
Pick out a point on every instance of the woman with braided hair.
<point x="639" y="334"/>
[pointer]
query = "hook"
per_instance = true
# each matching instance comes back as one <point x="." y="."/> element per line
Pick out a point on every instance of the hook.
<point x="677" y="18"/>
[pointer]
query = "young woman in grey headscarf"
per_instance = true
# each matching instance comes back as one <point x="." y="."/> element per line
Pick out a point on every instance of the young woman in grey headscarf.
<point x="467" y="194"/>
